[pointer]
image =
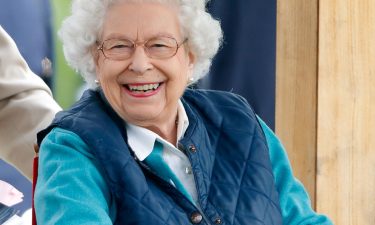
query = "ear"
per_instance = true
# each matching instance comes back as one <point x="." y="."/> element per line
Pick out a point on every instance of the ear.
<point x="191" y="59"/>
<point x="95" y="54"/>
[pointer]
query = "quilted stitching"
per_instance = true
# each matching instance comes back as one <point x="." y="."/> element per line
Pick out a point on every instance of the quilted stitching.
<point x="231" y="166"/>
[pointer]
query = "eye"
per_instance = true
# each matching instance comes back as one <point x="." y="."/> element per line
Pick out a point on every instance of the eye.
<point x="114" y="45"/>
<point x="158" y="46"/>
<point x="120" y="46"/>
<point x="160" y="43"/>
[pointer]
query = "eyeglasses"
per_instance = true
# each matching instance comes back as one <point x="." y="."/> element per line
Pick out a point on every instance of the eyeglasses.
<point x="156" y="48"/>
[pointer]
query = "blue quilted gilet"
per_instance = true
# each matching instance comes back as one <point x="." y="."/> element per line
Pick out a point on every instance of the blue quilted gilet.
<point x="224" y="143"/>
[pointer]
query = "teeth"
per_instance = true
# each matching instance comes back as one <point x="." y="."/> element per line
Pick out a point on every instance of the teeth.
<point x="144" y="88"/>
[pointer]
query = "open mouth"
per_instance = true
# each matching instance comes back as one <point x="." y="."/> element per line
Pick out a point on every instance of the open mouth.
<point x="142" y="89"/>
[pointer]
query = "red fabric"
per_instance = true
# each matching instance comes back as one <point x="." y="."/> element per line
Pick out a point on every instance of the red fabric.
<point x="35" y="176"/>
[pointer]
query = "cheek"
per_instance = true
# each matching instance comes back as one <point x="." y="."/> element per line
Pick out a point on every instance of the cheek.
<point x="107" y="76"/>
<point x="108" y="70"/>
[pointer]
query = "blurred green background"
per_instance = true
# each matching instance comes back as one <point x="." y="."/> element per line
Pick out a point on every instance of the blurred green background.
<point x="66" y="81"/>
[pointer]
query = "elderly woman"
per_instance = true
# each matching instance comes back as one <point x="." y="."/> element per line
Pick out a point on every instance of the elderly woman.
<point x="142" y="148"/>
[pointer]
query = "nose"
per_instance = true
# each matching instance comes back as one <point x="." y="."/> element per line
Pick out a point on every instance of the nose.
<point x="140" y="62"/>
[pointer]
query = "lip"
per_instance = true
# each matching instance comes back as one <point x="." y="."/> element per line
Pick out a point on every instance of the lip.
<point x="141" y="94"/>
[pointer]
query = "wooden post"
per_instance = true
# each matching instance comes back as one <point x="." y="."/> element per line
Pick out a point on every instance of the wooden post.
<point x="346" y="115"/>
<point x="296" y="85"/>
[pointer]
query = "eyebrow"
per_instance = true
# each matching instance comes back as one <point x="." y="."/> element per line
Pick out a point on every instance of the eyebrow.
<point x="163" y="34"/>
<point x="116" y="36"/>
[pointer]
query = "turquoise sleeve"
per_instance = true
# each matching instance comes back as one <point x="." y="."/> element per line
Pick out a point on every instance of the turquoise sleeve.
<point x="294" y="201"/>
<point x="70" y="187"/>
<point x="68" y="167"/>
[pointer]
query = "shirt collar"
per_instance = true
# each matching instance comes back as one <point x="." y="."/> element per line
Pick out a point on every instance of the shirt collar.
<point x="141" y="140"/>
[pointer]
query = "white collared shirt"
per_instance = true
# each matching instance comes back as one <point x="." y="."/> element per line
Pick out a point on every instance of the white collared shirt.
<point x="142" y="140"/>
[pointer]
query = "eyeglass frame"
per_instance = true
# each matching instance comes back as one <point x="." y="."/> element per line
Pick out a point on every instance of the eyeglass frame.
<point x="143" y="44"/>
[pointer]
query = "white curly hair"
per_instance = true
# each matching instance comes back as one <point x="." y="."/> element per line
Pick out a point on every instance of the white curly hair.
<point x="81" y="30"/>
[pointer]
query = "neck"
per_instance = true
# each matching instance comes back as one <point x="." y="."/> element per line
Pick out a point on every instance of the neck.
<point x="167" y="131"/>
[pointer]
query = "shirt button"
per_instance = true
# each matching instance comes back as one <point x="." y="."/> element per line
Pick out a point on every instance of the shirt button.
<point x="188" y="170"/>
<point x="196" y="218"/>
<point x="192" y="148"/>
<point x="218" y="220"/>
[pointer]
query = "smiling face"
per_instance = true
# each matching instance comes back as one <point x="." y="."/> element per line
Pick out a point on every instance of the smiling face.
<point x="144" y="91"/>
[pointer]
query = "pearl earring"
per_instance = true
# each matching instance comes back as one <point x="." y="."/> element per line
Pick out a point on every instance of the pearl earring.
<point x="191" y="79"/>
<point x="97" y="82"/>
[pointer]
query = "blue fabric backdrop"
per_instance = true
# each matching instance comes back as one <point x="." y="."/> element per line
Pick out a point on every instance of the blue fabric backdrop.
<point x="246" y="62"/>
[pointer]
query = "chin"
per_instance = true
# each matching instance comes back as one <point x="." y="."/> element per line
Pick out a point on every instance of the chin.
<point x="140" y="118"/>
